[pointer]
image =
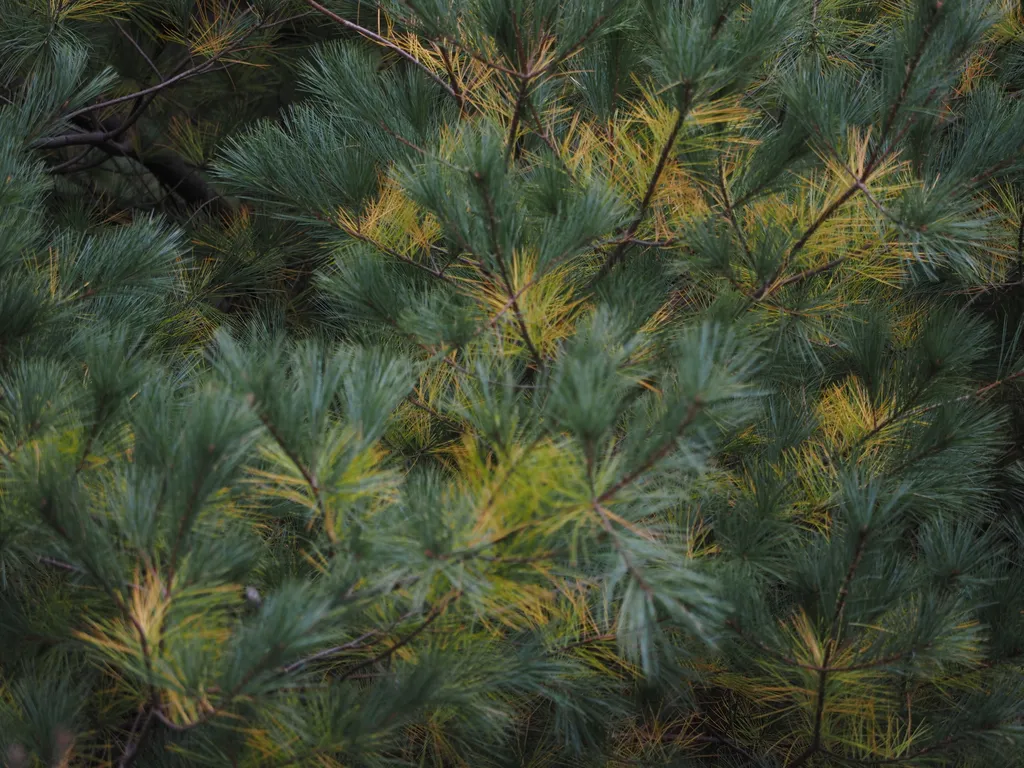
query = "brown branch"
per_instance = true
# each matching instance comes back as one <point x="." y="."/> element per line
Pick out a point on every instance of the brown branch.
<point x="183" y="524"/>
<point x="479" y="57"/>
<point x="542" y="133"/>
<point x="198" y="69"/>
<point x="809" y="273"/>
<point x="524" y="87"/>
<point x="730" y="213"/>
<point x="137" y="737"/>
<point x="168" y="723"/>
<point x="417" y="403"/>
<point x="138" y="48"/>
<point x="450" y="69"/>
<point x="351" y="644"/>
<point x="578" y="44"/>
<point x="88" y="446"/>
<point x="909" y="411"/>
<point x="70" y="163"/>
<point x="859" y="184"/>
<point x="627" y="560"/>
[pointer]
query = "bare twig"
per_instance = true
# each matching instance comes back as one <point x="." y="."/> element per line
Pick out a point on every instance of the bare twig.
<point x="138" y="48"/>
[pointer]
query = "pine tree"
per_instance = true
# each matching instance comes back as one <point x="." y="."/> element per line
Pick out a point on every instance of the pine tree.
<point x="511" y="383"/>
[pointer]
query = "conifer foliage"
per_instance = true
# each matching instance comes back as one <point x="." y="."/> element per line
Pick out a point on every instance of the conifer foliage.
<point x="511" y="383"/>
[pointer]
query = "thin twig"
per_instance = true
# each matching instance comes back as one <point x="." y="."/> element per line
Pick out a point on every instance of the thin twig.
<point x="656" y="456"/>
<point x="833" y="643"/>
<point x="453" y="79"/>
<point x="809" y="273"/>
<point x="306" y="472"/>
<point x="652" y="184"/>
<point x="137" y="47"/>
<point x="578" y="44"/>
<point x="384" y="42"/>
<point x="499" y="257"/>
<point x="432" y="616"/>
<point x="911" y="68"/>
<point x="730" y="213"/>
<point x="136" y="738"/>
<point x="356" y="234"/>
<point x="770" y="286"/>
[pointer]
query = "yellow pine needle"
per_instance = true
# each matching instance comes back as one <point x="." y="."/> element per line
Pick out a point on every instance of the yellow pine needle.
<point x="393" y="221"/>
<point x="63" y="11"/>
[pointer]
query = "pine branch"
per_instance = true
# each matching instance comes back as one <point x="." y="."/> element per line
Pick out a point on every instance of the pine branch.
<point x="88" y="447"/>
<point x="450" y="69"/>
<point x="844" y="591"/>
<point x="333" y="651"/>
<point x="136" y="738"/>
<point x="524" y="87"/>
<point x="183" y="526"/>
<point x="476" y="56"/>
<point x="173" y="726"/>
<point x="730" y="213"/>
<point x="356" y="234"/>
<point x="799" y="277"/>
<point x="911" y="410"/>
<point x="72" y="162"/>
<point x="522" y="90"/>
<point x="492" y="224"/>
<point x="661" y="452"/>
<point x="911" y="68"/>
<point x="124" y="33"/>
<point x="144" y="94"/>
<point x="432" y="616"/>
<point x="789" y="661"/>
<point x="1020" y="241"/>
<point x="769" y="286"/>
<point x="859" y="183"/>
<point x="306" y="472"/>
<point x="627" y="559"/>
<point x="578" y="44"/>
<point x="417" y="403"/>
<point x="385" y="43"/>
<point x="652" y="185"/>
<point x="923" y="752"/>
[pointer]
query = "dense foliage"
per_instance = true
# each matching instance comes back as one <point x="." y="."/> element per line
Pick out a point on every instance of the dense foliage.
<point x="511" y="383"/>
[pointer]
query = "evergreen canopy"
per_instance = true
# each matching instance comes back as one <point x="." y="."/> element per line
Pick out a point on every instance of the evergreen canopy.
<point x="511" y="383"/>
